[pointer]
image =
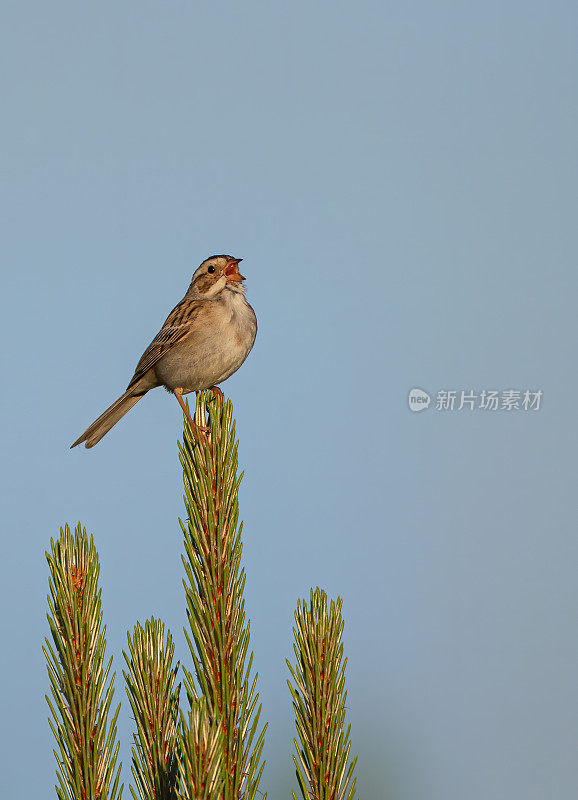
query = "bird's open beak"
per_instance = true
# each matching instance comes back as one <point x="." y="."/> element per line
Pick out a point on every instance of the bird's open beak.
<point x="232" y="271"/>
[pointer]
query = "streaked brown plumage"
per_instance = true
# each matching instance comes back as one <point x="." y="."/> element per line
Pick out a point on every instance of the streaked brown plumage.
<point x="203" y="341"/>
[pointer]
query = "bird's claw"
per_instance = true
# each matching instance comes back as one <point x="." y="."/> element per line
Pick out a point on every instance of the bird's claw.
<point x="217" y="393"/>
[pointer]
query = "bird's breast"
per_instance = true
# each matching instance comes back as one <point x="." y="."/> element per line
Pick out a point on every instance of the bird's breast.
<point x="220" y="339"/>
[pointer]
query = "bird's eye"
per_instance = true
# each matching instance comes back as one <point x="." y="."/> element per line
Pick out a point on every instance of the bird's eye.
<point x="211" y="268"/>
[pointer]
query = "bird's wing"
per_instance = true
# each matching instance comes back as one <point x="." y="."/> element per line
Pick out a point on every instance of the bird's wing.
<point x="177" y="325"/>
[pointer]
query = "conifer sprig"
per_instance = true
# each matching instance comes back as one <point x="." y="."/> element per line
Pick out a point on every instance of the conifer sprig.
<point x="201" y="754"/>
<point x="154" y="698"/>
<point x="319" y="695"/>
<point x="81" y="690"/>
<point x="214" y="585"/>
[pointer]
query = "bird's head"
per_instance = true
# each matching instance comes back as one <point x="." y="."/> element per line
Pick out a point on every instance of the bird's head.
<point x="216" y="274"/>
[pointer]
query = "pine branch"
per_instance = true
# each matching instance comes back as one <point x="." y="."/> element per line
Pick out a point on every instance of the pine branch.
<point x="201" y="754"/>
<point x="80" y="686"/>
<point x="219" y="635"/>
<point x="319" y="695"/>
<point x="150" y="685"/>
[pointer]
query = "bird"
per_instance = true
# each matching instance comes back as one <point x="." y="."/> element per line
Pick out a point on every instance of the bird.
<point x="204" y="340"/>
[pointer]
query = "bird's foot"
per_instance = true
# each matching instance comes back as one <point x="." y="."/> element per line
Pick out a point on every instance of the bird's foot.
<point x="217" y="393"/>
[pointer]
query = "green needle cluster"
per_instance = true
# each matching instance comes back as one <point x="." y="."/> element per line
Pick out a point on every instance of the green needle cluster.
<point x="150" y="683"/>
<point x="201" y="754"/>
<point x="318" y="692"/>
<point x="219" y="633"/>
<point x="79" y="678"/>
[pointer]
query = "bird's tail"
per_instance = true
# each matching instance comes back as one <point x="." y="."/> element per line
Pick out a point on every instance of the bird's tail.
<point x="101" y="426"/>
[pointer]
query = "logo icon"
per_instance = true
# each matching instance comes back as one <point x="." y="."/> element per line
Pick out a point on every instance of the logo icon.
<point x="418" y="400"/>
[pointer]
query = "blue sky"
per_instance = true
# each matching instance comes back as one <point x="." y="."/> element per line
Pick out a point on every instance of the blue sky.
<point x="400" y="180"/>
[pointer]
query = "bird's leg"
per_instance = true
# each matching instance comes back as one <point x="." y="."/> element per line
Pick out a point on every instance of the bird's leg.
<point x="181" y="402"/>
<point x="179" y="395"/>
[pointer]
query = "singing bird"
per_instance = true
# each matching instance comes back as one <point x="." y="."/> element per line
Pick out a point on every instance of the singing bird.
<point x="203" y="341"/>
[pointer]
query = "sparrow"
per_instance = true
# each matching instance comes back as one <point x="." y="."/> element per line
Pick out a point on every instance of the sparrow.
<point x="203" y="341"/>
